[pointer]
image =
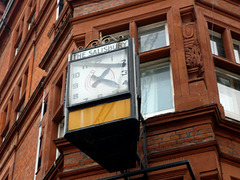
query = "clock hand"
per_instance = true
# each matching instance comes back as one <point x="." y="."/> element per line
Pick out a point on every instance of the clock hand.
<point x="123" y="64"/>
<point x="106" y="82"/>
<point x="104" y="73"/>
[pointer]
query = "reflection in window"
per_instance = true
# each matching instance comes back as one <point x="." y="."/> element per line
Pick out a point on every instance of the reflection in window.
<point x="229" y="92"/>
<point x="156" y="89"/>
<point x="60" y="4"/>
<point x="216" y="44"/>
<point x="236" y="46"/>
<point x="153" y="36"/>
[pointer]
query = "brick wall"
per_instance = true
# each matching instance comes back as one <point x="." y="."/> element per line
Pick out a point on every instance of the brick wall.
<point x="179" y="138"/>
<point x="76" y="160"/>
<point x="96" y="6"/>
<point x="26" y="154"/>
<point x="229" y="146"/>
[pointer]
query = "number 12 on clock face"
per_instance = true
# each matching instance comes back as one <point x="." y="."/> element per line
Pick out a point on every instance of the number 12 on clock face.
<point x="98" y="77"/>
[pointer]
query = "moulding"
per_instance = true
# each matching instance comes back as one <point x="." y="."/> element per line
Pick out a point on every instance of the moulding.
<point x="156" y="53"/>
<point x="226" y="64"/>
<point x="83" y="172"/>
<point x="230" y="159"/>
<point x="223" y="6"/>
<point x="118" y="9"/>
<point x="44" y="64"/>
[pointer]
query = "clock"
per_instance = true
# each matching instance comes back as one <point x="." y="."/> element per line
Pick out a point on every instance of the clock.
<point x="98" y="77"/>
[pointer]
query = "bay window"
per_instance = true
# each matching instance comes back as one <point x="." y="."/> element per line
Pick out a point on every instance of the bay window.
<point x="229" y="92"/>
<point x="156" y="88"/>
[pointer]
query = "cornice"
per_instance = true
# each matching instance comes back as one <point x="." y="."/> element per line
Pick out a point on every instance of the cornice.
<point x="230" y="7"/>
<point x="194" y="116"/>
<point x="184" y="151"/>
<point x="106" y="12"/>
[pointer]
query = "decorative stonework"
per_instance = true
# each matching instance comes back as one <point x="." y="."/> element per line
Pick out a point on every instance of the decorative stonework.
<point x="193" y="55"/>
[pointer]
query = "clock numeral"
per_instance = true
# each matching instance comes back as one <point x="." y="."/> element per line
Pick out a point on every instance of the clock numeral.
<point x="75" y="85"/>
<point x="100" y="95"/>
<point x="124" y="72"/>
<point x="85" y="99"/>
<point x="76" y="75"/>
<point x="125" y="82"/>
<point x="124" y="63"/>
<point x="75" y="96"/>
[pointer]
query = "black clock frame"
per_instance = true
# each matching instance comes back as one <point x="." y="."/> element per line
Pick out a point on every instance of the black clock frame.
<point x="112" y="144"/>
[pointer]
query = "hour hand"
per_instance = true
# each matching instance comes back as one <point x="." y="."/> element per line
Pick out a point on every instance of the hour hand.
<point x="106" y="82"/>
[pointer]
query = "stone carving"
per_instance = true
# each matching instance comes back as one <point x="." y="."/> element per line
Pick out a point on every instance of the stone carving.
<point x="193" y="55"/>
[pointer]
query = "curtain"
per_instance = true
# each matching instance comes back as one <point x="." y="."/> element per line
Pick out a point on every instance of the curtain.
<point x="156" y="90"/>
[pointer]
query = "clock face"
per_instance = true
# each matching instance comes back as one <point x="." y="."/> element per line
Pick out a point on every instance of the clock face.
<point x="98" y="77"/>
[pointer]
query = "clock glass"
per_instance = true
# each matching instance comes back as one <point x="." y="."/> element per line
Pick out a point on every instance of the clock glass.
<point x="97" y="77"/>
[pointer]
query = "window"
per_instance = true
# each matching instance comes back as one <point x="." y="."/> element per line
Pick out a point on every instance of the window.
<point x="17" y="48"/>
<point x="229" y="92"/>
<point x="123" y="34"/>
<point x="6" y="118"/>
<point x="20" y="110"/>
<point x="30" y="22"/>
<point x="59" y="7"/>
<point x="156" y="88"/>
<point x="60" y="134"/>
<point x="31" y="17"/>
<point x="236" y="47"/>
<point x="40" y="137"/>
<point x="216" y="43"/>
<point x="153" y="36"/>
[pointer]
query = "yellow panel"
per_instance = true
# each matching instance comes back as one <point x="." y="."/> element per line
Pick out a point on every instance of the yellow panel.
<point x="99" y="114"/>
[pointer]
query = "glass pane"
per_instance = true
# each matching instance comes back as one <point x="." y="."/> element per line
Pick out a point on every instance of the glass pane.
<point x="156" y="90"/>
<point x="237" y="52"/>
<point x="153" y="38"/>
<point x="229" y="92"/>
<point x="223" y="81"/>
<point x="217" y="46"/>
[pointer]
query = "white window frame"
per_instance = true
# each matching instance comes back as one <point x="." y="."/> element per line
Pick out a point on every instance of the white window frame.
<point x="60" y="134"/>
<point x="213" y="43"/>
<point x="229" y="75"/>
<point x="19" y="112"/>
<point x="58" y="8"/>
<point x="237" y="56"/>
<point x="157" y="63"/>
<point x="151" y="26"/>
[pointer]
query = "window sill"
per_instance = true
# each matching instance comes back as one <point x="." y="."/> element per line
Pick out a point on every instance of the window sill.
<point x="226" y="64"/>
<point x="152" y="115"/>
<point x="155" y="54"/>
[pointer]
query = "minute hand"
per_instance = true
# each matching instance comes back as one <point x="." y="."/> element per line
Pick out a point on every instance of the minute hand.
<point x="106" y="64"/>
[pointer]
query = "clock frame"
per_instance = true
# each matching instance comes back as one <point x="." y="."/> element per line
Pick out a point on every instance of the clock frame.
<point x="111" y="120"/>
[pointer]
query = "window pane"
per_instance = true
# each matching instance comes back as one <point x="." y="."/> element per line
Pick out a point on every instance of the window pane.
<point x="229" y="92"/>
<point x="217" y="46"/>
<point x="156" y="90"/>
<point x="237" y="52"/>
<point x="152" y="37"/>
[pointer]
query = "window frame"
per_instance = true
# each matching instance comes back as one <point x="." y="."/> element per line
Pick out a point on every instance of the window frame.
<point x="158" y="63"/>
<point x="236" y="42"/>
<point x="153" y="25"/>
<point x="232" y="76"/>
